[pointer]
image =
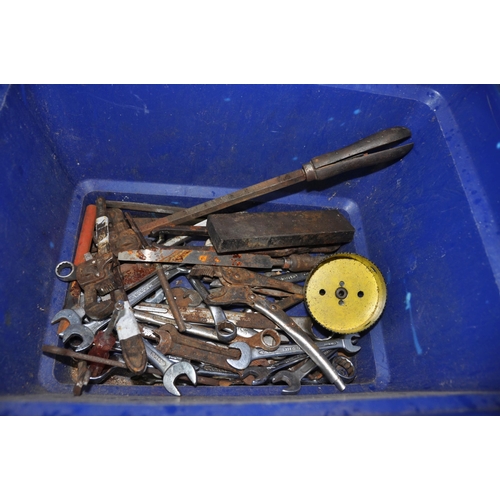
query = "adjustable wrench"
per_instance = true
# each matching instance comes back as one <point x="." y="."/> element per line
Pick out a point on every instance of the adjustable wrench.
<point x="249" y="354"/>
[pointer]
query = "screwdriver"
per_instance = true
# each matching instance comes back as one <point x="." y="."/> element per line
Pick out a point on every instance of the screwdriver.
<point x="367" y="152"/>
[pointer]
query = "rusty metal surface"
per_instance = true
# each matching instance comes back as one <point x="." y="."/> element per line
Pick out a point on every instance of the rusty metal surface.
<point x="176" y="344"/>
<point x="83" y="246"/>
<point x="202" y="315"/>
<point x="252" y="279"/>
<point x="144" y="243"/>
<point x="268" y="339"/>
<point x="135" y="274"/>
<point x="193" y="231"/>
<point x="246" y="232"/>
<point x="285" y="252"/>
<point x="361" y="154"/>
<point x="103" y="343"/>
<point x="290" y="301"/>
<point x="133" y="352"/>
<point x="301" y="262"/>
<point x="286" y="240"/>
<point x="60" y="351"/>
<point x="236" y="279"/>
<point x="186" y="297"/>
<point x="82" y="378"/>
<point x="98" y="277"/>
<point x="183" y="255"/>
<point x="120" y="236"/>
<point x="179" y="321"/>
<point x="68" y="353"/>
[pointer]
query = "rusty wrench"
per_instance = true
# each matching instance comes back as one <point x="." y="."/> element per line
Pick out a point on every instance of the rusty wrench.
<point x="170" y="370"/>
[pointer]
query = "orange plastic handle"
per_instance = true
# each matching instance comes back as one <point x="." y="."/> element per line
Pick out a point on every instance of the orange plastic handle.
<point x="85" y="240"/>
<point x="83" y="246"/>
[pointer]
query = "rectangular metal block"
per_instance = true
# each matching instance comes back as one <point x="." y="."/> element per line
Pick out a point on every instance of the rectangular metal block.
<point x="241" y="232"/>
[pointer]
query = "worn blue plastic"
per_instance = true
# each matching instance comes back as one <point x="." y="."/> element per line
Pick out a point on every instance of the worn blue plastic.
<point x="430" y="223"/>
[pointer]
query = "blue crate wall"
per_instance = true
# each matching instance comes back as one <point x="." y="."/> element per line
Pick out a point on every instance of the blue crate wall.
<point x="429" y="222"/>
<point x="35" y="192"/>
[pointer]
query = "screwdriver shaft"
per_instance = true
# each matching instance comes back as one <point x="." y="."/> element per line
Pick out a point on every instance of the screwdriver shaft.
<point x="228" y="200"/>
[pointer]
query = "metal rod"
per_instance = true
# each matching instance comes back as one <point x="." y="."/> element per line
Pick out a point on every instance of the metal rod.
<point x="181" y="326"/>
<point x="227" y="200"/>
<point x="143" y="207"/>
<point x="60" y="351"/>
<point x="133" y="225"/>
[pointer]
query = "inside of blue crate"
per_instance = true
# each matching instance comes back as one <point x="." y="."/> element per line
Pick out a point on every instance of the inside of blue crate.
<point x="370" y="370"/>
<point x="429" y="222"/>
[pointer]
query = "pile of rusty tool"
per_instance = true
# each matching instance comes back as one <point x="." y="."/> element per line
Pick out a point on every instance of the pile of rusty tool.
<point x="200" y="297"/>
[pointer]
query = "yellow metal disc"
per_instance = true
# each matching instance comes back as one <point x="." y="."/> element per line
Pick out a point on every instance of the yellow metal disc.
<point x="345" y="293"/>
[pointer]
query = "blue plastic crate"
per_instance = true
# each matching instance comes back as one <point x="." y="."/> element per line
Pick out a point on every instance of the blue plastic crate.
<point x="430" y="223"/>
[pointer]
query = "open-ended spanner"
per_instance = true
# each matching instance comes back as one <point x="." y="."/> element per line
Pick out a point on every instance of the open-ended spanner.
<point x="294" y="376"/>
<point x="162" y="339"/>
<point x="86" y="332"/>
<point x="261" y="374"/>
<point x="249" y="354"/>
<point x="268" y="338"/>
<point x="157" y="320"/>
<point x="177" y="344"/>
<point x="170" y="370"/>
<point x="205" y="373"/>
<point x="240" y="292"/>
<point x="76" y="330"/>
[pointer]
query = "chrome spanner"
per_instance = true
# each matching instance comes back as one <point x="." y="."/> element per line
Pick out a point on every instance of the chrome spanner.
<point x="294" y="376"/>
<point x="261" y="374"/>
<point x="156" y="320"/>
<point x="249" y="354"/>
<point x="170" y="370"/>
